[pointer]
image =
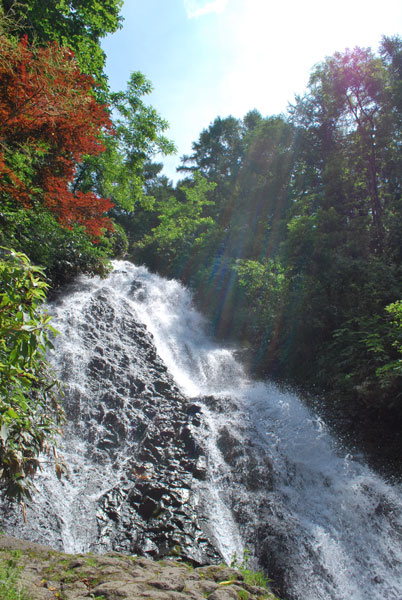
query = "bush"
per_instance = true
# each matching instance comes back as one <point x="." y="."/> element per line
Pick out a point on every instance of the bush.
<point x="30" y="414"/>
<point x="63" y="253"/>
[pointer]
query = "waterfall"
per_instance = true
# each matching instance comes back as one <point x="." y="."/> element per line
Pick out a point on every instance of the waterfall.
<point x="242" y="464"/>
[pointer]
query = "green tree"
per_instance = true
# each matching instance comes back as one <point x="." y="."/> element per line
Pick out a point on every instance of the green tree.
<point x="137" y="223"/>
<point x="218" y="151"/>
<point x="138" y="136"/>
<point x="390" y="374"/>
<point x="261" y="197"/>
<point x="183" y="230"/>
<point x="347" y="119"/>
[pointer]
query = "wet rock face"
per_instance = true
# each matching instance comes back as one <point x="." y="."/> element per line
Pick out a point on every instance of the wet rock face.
<point x="259" y="513"/>
<point x="144" y="424"/>
<point x="156" y="440"/>
<point x="154" y="437"/>
<point x="138" y="428"/>
<point x="147" y="483"/>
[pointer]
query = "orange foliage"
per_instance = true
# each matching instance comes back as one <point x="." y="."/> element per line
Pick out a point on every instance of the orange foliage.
<point x="49" y="120"/>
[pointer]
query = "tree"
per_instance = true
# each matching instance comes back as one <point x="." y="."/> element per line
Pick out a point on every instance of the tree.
<point x="118" y="173"/>
<point x="49" y="120"/>
<point x="218" y="151"/>
<point x="30" y="415"/>
<point x="261" y="198"/>
<point x="390" y="374"/>
<point x="347" y="113"/>
<point x="183" y="229"/>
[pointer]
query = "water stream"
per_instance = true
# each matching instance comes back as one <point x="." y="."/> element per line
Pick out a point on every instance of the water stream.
<point x="323" y="519"/>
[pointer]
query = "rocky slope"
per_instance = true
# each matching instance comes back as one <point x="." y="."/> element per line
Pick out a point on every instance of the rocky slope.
<point x="136" y="432"/>
<point x="37" y="572"/>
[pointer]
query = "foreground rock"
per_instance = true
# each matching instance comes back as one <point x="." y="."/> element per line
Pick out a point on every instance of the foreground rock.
<point x="45" y="574"/>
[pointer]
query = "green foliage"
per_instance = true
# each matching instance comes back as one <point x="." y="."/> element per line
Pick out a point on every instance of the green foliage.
<point x="216" y="154"/>
<point x="250" y="577"/>
<point x="181" y="222"/>
<point x="30" y="415"/>
<point x="388" y="348"/>
<point x="63" y="253"/>
<point x="118" y="173"/>
<point x="77" y="24"/>
<point x="139" y="127"/>
<point x="183" y="229"/>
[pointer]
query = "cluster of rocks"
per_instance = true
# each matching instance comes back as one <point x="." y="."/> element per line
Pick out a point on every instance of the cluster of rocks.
<point x="48" y="575"/>
<point x="141" y="418"/>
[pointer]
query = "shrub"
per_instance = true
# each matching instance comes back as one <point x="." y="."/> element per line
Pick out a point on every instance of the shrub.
<point x="30" y="415"/>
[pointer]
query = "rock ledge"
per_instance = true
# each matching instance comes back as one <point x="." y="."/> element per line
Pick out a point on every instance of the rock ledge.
<point x="45" y="574"/>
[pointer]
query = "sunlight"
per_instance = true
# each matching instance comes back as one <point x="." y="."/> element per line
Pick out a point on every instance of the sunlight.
<point x="273" y="46"/>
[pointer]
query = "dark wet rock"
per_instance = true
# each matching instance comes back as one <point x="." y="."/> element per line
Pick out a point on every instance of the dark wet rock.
<point x="200" y="468"/>
<point x="151" y="509"/>
<point x="132" y="415"/>
<point x="230" y="447"/>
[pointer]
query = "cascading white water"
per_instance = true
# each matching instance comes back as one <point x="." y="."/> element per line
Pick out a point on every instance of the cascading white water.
<point x="346" y="516"/>
<point x="340" y="523"/>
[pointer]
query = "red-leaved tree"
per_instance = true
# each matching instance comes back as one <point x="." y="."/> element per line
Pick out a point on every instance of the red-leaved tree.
<point x="49" y="119"/>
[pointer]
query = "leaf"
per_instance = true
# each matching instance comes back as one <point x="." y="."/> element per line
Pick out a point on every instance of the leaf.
<point x="11" y="413"/>
<point x="4" y="433"/>
<point x="4" y="300"/>
<point x="59" y="470"/>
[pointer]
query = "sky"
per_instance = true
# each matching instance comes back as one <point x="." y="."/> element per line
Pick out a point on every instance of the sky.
<point x="209" y="58"/>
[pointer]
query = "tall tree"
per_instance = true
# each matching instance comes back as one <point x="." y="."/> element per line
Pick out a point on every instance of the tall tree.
<point x="346" y="109"/>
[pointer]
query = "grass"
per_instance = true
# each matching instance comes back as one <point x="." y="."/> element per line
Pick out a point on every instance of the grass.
<point x="250" y="577"/>
<point x="9" y="571"/>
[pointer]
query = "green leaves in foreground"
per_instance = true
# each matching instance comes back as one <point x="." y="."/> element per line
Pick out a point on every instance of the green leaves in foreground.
<point x="29" y="412"/>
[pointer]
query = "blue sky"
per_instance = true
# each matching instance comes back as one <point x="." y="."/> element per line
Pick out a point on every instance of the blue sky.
<point x="219" y="57"/>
